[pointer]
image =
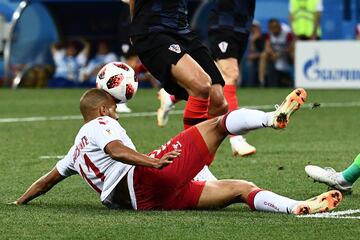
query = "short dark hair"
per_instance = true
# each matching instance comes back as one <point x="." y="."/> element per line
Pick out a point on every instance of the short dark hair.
<point x="92" y="98"/>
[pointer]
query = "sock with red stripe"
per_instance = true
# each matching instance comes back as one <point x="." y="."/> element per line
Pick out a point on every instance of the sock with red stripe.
<point x="230" y="96"/>
<point x="196" y="110"/>
<point x="262" y="200"/>
<point x="241" y="121"/>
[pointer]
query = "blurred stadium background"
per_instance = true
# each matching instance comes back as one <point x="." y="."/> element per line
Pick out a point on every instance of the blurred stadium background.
<point x="37" y="126"/>
<point x="28" y="28"/>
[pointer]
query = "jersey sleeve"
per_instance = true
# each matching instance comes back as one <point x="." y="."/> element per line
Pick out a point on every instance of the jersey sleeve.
<point x="58" y="56"/>
<point x="81" y="58"/>
<point x="106" y="130"/>
<point x="66" y="166"/>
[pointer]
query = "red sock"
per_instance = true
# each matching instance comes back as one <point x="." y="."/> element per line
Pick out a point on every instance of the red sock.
<point x="230" y="96"/>
<point x="251" y="197"/>
<point x="173" y="99"/>
<point x="195" y="111"/>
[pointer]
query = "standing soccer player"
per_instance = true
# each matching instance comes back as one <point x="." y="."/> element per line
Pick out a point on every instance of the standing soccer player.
<point x="172" y="52"/>
<point x="230" y="23"/>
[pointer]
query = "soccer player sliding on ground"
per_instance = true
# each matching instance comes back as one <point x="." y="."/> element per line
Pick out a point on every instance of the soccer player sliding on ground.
<point x="105" y="157"/>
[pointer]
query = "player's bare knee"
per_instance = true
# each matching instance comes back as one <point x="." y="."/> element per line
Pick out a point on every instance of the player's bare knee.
<point x="252" y="185"/>
<point x="224" y="108"/>
<point x="220" y="108"/>
<point x="244" y="188"/>
<point x="201" y="85"/>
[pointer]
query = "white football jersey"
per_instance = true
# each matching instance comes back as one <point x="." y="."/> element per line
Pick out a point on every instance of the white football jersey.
<point x="87" y="157"/>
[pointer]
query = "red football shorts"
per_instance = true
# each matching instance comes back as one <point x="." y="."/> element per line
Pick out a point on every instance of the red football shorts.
<point x="172" y="187"/>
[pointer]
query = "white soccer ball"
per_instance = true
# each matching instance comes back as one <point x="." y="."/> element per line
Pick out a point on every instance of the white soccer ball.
<point x="119" y="80"/>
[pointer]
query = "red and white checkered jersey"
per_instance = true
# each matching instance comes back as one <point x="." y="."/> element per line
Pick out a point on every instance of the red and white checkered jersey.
<point x="87" y="157"/>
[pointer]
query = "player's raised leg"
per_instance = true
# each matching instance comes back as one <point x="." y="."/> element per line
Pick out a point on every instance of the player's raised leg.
<point x="243" y="120"/>
<point x="211" y="133"/>
<point x="219" y="194"/>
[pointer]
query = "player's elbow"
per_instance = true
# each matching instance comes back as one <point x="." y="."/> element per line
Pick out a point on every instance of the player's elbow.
<point x="113" y="153"/>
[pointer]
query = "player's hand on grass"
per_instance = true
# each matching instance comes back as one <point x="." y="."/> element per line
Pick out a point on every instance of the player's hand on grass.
<point x="168" y="158"/>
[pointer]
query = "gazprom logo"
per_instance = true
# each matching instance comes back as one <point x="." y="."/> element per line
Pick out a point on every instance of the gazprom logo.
<point x="313" y="71"/>
<point x="311" y="68"/>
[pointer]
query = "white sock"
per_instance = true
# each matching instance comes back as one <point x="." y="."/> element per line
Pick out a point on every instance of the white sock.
<point x="271" y="202"/>
<point x="239" y="122"/>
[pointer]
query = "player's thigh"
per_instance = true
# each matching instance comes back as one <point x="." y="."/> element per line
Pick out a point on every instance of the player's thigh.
<point x="202" y="56"/>
<point x="190" y="75"/>
<point x="213" y="133"/>
<point x="221" y="193"/>
<point x="194" y="155"/>
<point x="159" y="52"/>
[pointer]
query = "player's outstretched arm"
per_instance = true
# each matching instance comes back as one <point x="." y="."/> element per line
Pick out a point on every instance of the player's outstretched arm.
<point x="40" y="186"/>
<point x="122" y="153"/>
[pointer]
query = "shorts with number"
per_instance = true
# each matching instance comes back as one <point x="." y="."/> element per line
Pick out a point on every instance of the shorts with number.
<point x="158" y="51"/>
<point x="172" y="187"/>
<point x="225" y="43"/>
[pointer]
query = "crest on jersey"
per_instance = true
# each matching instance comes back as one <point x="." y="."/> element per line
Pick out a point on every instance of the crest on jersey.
<point x="107" y="132"/>
<point x="223" y="46"/>
<point x="125" y="48"/>
<point x="175" y="48"/>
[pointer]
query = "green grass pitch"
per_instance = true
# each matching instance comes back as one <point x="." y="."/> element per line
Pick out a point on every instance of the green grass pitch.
<point x="327" y="136"/>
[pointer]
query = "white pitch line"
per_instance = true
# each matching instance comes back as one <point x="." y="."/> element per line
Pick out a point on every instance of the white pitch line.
<point x="149" y="114"/>
<point x="339" y="214"/>
<point x="39" y="119"/>
<point x="51" y="157"/>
